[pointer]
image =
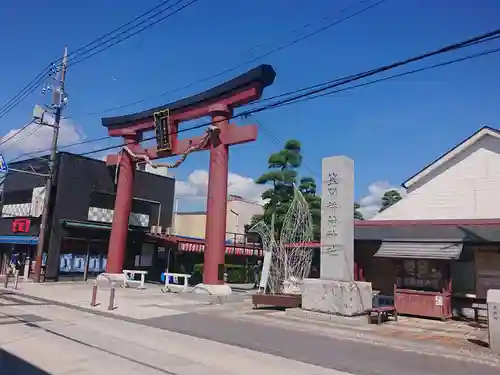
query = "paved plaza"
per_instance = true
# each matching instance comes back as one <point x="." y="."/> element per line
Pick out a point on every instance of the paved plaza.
<point x="52" y="328"/>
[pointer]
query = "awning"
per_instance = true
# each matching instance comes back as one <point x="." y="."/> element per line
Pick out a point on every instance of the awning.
<point x="420" y="250"/>
<point x="230" y="250"/>
<point x="90" y="225"/>
<point x="19" y="240"/>
<point x="82" y="224"/>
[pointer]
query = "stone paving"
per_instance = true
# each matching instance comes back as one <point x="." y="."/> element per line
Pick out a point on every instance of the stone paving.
<point x="129" y="302"/>
<point x="143" y="305"/>
<point x="236" y="324"/>
<point x="61" y="341"/>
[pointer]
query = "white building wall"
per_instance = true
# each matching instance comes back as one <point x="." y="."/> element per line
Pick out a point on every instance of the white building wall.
<point x="239" y="214"/>
<point x="466" y="187"/>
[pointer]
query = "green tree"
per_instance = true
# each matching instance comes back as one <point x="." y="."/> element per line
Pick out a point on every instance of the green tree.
<point x="388" y="199"/>
<point x="357" y="214"/>
<point x="281" y="176"/>
<point x="307" y="187"/>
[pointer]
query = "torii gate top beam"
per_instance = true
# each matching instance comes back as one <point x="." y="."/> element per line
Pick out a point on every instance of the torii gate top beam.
<point x="239" y="91"/>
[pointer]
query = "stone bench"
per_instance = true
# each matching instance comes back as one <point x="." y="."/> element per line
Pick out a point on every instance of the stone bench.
<point x="382" y="312"/>
<point x="130" y="278"/>
<point x="167" y="276"/>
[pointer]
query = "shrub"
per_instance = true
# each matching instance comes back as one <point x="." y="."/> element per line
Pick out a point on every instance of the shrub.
<point x="236" y="273"/>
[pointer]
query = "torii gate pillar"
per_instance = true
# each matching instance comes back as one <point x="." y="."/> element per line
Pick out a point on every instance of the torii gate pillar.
<point x="215" y="229"/>
<point x="123" y="208"/>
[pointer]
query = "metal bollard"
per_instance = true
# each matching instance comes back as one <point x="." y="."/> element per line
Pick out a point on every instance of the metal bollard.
<point x="6" y="280"/>
<point x="111" y="305"/>
<point x="93" y="301"/>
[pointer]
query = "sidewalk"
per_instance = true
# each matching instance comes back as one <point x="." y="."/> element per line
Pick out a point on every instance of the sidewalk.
<point x="427" y="336"/>
<point x="63" y="342"/>
<point x="129" y="302"/>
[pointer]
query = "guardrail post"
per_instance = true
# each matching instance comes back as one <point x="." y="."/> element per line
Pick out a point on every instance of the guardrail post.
<point x="93" y="301"/>
<point x="111" y="304"/>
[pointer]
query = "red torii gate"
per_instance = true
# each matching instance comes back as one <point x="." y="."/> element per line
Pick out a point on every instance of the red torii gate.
<point x="217" y="103"/>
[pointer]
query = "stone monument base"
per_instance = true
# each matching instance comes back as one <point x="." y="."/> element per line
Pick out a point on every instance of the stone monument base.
<point x="344" y="298"/>
<point x="359" y="320"/>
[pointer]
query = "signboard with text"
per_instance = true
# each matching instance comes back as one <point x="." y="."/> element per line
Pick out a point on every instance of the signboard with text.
<point x="21" y="225"/>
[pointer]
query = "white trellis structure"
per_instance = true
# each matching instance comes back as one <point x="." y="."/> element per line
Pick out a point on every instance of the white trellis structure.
<point x="287" y="261"/>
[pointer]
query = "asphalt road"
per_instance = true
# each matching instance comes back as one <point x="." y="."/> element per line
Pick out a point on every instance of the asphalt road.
<point x="340" y="354"/>
<point x="345" y="355"/>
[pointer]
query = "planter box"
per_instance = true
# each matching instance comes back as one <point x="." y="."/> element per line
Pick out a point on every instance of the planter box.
<point x="277" y="300"/>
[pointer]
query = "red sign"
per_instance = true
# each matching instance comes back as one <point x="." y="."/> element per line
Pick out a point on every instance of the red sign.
<point x="21" y="225"/>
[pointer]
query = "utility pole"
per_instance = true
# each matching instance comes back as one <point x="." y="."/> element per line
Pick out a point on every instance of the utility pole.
<point x="59" y="99"/>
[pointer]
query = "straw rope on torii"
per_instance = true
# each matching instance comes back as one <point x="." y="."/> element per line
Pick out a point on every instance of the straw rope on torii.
<point x="144" y="159"/>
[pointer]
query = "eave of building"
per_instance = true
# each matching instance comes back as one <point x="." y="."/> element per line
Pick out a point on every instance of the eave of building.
<point x="464" y="230"/>
<point x="484" y="131"/>
<point x="450" y="222"/>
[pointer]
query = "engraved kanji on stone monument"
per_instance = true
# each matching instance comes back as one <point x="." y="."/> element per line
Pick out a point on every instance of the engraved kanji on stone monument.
<point x="337" y="223"/>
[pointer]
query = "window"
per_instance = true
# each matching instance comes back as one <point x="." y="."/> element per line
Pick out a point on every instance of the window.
<point x="420" y="274"/>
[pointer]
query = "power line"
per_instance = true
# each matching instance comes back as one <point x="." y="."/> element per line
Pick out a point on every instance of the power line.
<point x="106" y="47"/>
<point x="165" y="2"/>
<point x="242" y="64"/>
<point x="107" y="137"/>
<point x="16" y="133"/>
<point x="17" y="141"/>
<point x="296" y="30"/>
<point x="24" y="95"/>
<point x="318" y="90"/>
<point x="339" y="82"/>
<point x="476" y="55"/>
<point x="44" y="74"/>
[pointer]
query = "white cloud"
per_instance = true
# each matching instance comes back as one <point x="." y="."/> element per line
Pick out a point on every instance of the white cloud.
<point x="197" y="184"/>
<point x="370" y="204"/>
<point x="37" y="138"/>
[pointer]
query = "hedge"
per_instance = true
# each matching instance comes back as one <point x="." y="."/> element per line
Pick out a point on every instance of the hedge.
<point x="236" y="273"/>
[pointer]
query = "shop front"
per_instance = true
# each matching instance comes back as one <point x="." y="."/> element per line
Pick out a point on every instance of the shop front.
<point x="240" y="257"/>
<point x="422" y="285"/>
<point x="83" y="246"/>
<point x="18" y="241"/>
<point x="439" y="269"/>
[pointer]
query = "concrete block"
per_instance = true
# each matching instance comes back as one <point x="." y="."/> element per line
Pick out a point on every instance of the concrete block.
<point x="346" y="298"/>
<point x="493" y="302"/>
<point x="213" y="290"/>
<point x="104" y="280"/>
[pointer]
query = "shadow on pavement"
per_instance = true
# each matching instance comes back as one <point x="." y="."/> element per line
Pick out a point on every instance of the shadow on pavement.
<point x="11" y="364"/>
<point x="478" y="342"/>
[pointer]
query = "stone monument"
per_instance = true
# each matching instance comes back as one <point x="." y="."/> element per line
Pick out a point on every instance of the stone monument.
<point x="336" y="292"/>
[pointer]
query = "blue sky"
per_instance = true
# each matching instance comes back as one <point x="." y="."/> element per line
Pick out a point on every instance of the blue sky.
<point x="390" y="129"/>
